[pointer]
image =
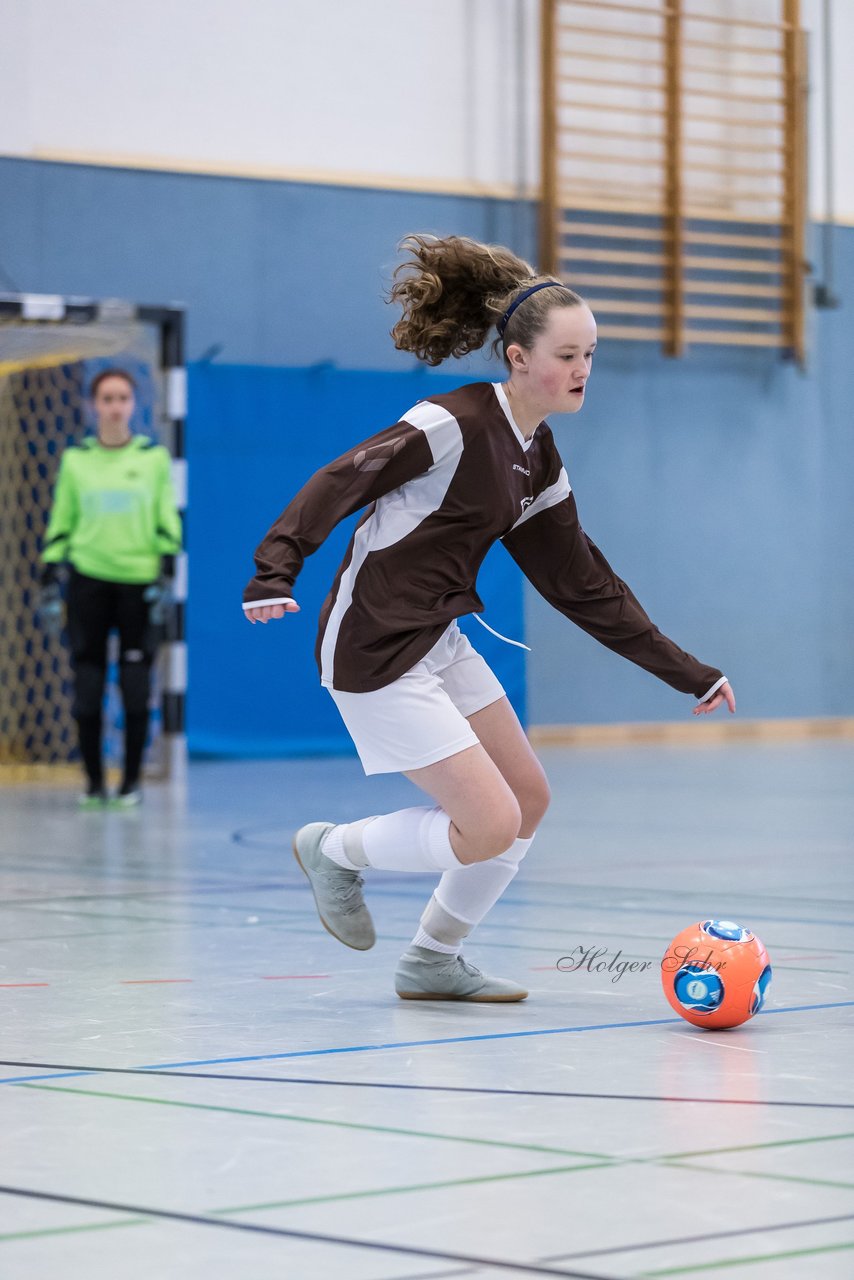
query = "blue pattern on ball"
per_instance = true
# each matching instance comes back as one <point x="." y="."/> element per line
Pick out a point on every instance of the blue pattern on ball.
<point x="760" y="990"/>
<point x="698" y="989"/>
<point x="726" y="929"/>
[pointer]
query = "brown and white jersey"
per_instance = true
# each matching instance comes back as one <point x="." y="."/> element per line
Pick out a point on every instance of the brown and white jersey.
<point x="441" y="486"/>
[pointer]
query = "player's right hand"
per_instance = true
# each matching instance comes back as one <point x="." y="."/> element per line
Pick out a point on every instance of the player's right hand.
<point x="266" y="612"/>
<point x="724" y="694"/>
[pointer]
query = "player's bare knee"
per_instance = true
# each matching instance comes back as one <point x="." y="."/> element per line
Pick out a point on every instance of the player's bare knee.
<point x="497" y="831"/>
<point x="535" y="802"/>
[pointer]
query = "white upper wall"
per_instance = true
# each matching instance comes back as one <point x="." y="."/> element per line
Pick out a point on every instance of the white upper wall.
<point x="440" y="93"/>
<point x="842" y="95"/>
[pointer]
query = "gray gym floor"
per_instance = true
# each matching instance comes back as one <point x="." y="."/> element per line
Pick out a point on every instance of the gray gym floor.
<point x="200" y="1082"/>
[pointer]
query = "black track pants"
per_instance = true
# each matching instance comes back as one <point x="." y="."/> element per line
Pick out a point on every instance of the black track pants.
<point x="95" y="608"/>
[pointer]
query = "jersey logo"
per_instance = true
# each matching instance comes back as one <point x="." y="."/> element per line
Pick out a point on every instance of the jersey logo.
<point x="378" y="455"/>
<point x="524" y="470"/>
<point x="526" y="502"/>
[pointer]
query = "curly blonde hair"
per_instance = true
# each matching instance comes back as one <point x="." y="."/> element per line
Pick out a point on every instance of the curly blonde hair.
<point x="453" y="290"/>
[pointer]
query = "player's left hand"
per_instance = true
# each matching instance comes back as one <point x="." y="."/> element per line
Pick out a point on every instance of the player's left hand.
<point x="160" y="598"/>
<point x="724" y="694"/>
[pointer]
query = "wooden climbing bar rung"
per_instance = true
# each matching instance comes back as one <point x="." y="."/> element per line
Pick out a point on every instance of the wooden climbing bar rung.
<point x="710" y="235"/>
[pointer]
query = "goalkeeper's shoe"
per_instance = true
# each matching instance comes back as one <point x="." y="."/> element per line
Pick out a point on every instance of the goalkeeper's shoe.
<point x="94" y="797"/>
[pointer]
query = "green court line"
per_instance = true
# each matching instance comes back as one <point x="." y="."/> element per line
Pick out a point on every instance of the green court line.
<point x="64" y="1231"/>
<point x="282" y="911"/>
<point x="35" y="903"/>
<point x="67" y="936"/>
<point x="335" y="1124"/>
<point x="59" y="912"/>
<point x="421" y="1133"/>
<point x="743" y="1262"/>
<point x="416" y="1186"/>
<point x="285" y="911"/>
<point x="286" y="927"/>
<point x="286" y="1204"/>
<point x="276" y="913"/>
<point x="600" y="1161"/>
<point x="279" y="915"/>
<point x="753" y="1146"/>
<point x="753" y="1173"/>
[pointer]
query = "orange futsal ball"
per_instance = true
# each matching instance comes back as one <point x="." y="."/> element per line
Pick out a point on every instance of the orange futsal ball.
<point x="716" y="974"/>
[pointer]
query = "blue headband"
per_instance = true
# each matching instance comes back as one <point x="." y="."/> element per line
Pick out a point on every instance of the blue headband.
<point x="546" y="284"/>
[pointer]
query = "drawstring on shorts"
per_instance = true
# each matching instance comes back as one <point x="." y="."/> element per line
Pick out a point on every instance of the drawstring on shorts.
<point x="506" y="639"/>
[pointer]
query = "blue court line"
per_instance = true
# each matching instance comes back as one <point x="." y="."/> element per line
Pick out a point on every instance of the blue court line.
<point x="417" y="1044"/>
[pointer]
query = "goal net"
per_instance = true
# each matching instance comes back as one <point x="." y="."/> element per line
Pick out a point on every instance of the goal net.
<point x="50" y="350"/>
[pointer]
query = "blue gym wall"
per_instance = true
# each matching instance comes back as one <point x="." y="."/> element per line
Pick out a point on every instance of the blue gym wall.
<point x="718" y="485"/>
<point x="254" y="689"/>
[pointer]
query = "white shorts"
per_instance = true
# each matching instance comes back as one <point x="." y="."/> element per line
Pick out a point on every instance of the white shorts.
<point x="421" y="717"/>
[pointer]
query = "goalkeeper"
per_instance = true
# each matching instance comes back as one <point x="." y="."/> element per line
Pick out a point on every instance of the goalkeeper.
<point x="115" y="523"/>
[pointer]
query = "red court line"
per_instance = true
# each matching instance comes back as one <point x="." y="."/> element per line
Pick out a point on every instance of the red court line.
<point x="24" y="984"/>
<point x="145" y="982"/>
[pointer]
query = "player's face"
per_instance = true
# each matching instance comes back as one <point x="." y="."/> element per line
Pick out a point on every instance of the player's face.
<point x="561" y="358"/>
<point x="114" y="402"/>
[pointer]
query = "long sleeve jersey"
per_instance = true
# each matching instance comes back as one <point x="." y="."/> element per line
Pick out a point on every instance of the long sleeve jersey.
<point x="114" y="515"/>
<point x="441" y="486"/>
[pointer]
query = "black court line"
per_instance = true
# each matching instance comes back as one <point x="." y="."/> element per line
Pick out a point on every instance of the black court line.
<point x="202" y="1220"/>
<point x="424" y="1088"/>
<point x="651" y="1244"/>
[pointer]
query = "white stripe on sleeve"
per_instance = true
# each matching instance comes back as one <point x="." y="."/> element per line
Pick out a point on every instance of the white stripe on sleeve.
<point x="548" y="498"/>
<point x="397" y="514"/>
<point x="260" y="604"/>
<point x="711" y="693"/>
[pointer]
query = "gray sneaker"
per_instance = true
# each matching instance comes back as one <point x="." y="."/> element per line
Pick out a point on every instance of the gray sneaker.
<point x="431" y="975"/>
<point x="337" y="892"/>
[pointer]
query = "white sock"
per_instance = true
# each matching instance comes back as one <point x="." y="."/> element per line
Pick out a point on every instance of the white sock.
<point x="423" y="939"/>
<point x="416" y="839"/>
<point x="464" y="896"/>
<point x="332" y="846"/>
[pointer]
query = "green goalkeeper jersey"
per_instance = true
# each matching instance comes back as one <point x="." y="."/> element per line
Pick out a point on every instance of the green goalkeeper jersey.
<point x="114" y="514"/>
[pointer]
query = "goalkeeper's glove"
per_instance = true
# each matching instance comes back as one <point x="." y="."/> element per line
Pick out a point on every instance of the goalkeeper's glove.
<point x="160" y="597"/>
<point x="49" y="606"/>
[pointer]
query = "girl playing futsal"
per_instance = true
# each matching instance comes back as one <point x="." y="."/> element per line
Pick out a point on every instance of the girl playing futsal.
<point x="456" y="473"/>
<point x="113" y="520"/>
